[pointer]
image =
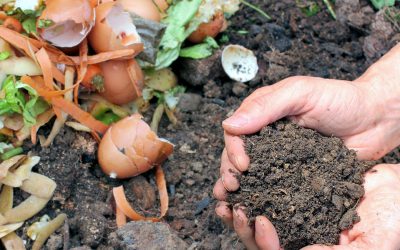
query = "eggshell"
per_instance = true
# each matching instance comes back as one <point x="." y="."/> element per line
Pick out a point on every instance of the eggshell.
<point x="123" y="81"/>
<point x="130" y="148"/>
<point x="239" y="63"/>
<point x="143" y="8"/>
<point x="114" y="30"/>
<point x="72" y="22"/>
<point x="212" y="29"/>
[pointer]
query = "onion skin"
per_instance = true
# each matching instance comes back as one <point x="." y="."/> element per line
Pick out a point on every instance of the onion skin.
<point x="123" y="81"/>
<point x="102" y="37"/>
<point x="130" y="148"/>
<point x="212" y="29"/>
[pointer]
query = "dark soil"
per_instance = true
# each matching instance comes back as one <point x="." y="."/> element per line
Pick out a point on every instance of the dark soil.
<point x="288" y="44"/>
<point x="307" y="184"/>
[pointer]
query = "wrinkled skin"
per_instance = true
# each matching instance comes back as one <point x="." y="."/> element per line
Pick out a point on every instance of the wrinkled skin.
<point x="365" y="113"/>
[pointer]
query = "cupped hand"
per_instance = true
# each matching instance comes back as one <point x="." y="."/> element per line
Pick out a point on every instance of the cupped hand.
<point x="341" y="108"/>
<point x="378" y="228"/>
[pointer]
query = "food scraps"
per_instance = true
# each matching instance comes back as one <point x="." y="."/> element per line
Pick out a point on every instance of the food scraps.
<point x="16" y="172"/>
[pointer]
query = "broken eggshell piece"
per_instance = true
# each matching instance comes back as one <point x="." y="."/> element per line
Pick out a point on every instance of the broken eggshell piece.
<point x="130" y="148"/>
<point x="65" y="23"/>
<point x="114" y="30"/>
<point x="239" y="63"/>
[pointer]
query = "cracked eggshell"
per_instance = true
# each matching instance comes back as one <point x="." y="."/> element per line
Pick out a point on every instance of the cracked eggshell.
<point x="212" y="29"/>
<point x="130" y="148"/>
<point x="239" y="63"/>
<point x="114" y="30"/>
<point x="123" y="81"/>
<point x="71" y="20"/>
<point x="146" y="9"/>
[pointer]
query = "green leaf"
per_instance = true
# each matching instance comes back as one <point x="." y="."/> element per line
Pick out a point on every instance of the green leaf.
<point x="4" y="55"/>
<point x="45" y="23"/>
<point x="29" y="25"/>
<point x="108" y="117"/>
<point x="179" y="15"/>
<point x="379" y="4"/>
<point x="200" y="51"/>
<point x="21" y="99"/>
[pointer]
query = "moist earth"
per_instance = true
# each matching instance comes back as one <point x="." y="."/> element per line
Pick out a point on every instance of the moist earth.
<point x="289" y="44"/>
<point x="307" y="184"/>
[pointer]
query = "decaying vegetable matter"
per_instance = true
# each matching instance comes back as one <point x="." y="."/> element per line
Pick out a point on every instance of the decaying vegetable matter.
<point x="93" y="66"/>
<point x="16" y="172"/>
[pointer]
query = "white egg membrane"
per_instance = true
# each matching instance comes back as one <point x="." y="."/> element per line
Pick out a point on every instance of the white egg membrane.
<point x="121" y="24"/>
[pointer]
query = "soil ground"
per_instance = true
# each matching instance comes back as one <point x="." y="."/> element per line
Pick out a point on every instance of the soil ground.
<point x="306" y="183"/>
<point x="288" y="44"/>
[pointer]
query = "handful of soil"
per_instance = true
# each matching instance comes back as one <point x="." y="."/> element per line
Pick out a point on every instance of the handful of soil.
<point x="308" y="185"/>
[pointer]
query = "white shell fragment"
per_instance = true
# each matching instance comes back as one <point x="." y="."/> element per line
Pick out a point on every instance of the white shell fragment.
<point x="239" y="63"/>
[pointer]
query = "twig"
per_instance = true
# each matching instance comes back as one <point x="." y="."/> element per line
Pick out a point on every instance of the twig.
<point x="330" y="8"/>
<point x="255" y="8"/>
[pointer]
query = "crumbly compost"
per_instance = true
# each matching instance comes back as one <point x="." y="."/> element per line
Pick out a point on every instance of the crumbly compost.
<point x="307" y="184"/>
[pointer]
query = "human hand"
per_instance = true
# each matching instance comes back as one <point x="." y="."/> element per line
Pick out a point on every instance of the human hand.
<point x="378" y="228"/>
<point x="364" y="113"/>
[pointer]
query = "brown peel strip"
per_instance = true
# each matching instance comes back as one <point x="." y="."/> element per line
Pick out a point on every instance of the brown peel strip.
<point x="120" y="217"/>
<point x="68" y="107"/>
<point x="13" y="242"/>
<point x="35" y="83"/>
<point x="45" y="64"/>
<point x="83" y="56"/>
<point x="19" y="41"/>
<point x="41" y="120"/>
<point x="47" y="230"/>
<point x="6" y="199"/>
<point x="124" y="206"/>
<point x="123" y="54"/>
<point x="82" y="116"/>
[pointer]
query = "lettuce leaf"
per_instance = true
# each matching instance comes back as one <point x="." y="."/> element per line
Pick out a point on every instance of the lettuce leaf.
<point x="200" y="51"/>
<point x="379" y="4"/>
<point x="179" y="16"/>
<point x="21" y="99"/>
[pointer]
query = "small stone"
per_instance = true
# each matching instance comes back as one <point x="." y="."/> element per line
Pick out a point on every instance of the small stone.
<point x="239" y="89"/>
<point x="81" y="248"/>
<point x="54" y="242"/>
<point x="197" y="166"/>
<point x="189" y="102"/>
<point x="189" y="173"/>
<point x="149" y="235"/>
<point x="143" y="192"/>
<point x="190" y="182"/>
<point x="198" y="72"/>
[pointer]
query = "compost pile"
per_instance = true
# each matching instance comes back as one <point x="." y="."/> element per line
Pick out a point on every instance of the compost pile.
<point x="307" y="184"/>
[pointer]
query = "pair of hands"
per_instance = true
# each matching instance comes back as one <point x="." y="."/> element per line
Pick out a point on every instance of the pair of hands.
<point x="364" y="113"/>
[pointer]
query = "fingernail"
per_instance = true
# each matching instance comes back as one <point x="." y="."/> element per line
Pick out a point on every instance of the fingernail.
<point x="236" y="121"/>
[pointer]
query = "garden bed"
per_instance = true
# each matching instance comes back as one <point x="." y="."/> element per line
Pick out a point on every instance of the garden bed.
<point x="289" y="44"/>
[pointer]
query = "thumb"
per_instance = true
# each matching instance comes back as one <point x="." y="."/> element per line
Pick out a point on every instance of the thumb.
<point x="288" y="98"/>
